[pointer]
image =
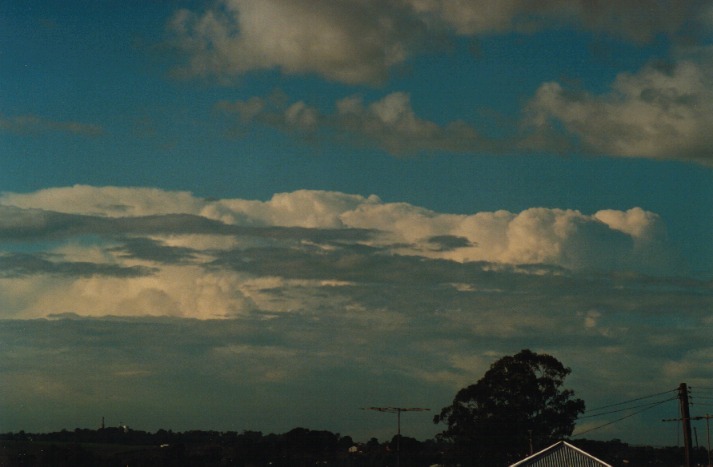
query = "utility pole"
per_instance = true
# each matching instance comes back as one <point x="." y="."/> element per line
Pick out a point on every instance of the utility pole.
<point x="686" y="419"/>
<point x="397" y="411"/>
<point x="707" y="418"/>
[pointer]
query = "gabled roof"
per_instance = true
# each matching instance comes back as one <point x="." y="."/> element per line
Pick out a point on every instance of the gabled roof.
<point x="561" y="454"/>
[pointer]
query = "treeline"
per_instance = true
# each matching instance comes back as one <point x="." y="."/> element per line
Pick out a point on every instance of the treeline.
<point x="119" y="447"/>
<point x="110" y="447"/>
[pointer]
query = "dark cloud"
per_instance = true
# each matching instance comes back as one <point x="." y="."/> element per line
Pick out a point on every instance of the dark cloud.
<point x="448" y="242"/>
<point x="400" y="341"/>
<point x="22" y="225"/>
<point x="365" y="264"/>
<point x="22" y="264"/>
<point x="153" y="250"/>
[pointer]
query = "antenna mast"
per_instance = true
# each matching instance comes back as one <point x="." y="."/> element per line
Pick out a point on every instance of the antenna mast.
<point x="397" y="411"/>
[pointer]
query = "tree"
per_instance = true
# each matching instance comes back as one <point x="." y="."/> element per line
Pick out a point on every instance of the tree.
<point x="518" y="405"/>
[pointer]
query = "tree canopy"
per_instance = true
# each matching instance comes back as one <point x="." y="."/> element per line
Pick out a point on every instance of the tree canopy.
<point x="518" y="405"/>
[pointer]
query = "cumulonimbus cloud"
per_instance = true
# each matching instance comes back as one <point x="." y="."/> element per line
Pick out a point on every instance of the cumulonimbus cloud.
<point x="605" y="240"/>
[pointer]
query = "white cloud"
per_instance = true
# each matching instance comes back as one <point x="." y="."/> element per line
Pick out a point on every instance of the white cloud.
<point x="347" y="41"/>
<point x="302" y="208"/>
<point x="300" y="251"/>
<point x="106" y="201"/>
<point x="661" y="112"/>
<point x="185" y="291"/>
<point x="331" y="297"/>
<point x="359" y="41"/>
<point x="567" y="238"/>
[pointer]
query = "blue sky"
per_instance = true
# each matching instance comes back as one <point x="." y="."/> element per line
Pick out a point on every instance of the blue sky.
<point x="234" y="184"/>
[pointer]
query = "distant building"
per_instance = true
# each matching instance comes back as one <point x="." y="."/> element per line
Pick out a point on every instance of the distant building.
<point x="561" y="454"/>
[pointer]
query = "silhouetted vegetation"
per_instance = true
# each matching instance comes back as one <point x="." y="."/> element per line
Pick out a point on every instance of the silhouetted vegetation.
<point x="520" y="402"/>
<point x="519" y="405"/>
<point x="118" y="447"/>
<point x="121" y="447"/>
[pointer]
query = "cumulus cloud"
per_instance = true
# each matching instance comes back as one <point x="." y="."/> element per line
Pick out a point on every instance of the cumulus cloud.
<point x="347" y="41"/>
<point x="392" y="123"/>
<point x="389" y="123"/>
<point x="661" y="112"/>
<point x="359" y="41"/>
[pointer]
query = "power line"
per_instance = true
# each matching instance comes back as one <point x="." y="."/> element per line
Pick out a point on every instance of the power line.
<point x="648" y="404"/>
<point x="630" y="401"/>
<point x="651" y="406"/>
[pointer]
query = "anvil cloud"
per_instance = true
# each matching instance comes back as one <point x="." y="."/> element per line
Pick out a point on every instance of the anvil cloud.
<point x="262" y="214"/>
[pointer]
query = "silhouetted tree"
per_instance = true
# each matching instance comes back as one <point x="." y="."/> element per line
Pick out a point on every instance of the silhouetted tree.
<point x="519" y="400"/>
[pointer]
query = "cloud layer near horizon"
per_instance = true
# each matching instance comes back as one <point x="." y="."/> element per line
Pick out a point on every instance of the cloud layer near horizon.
<point x="324" y="291"/>
<point x="137" y="251"/>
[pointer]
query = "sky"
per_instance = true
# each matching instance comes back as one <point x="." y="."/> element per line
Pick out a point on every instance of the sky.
<point x="264" y="214"/>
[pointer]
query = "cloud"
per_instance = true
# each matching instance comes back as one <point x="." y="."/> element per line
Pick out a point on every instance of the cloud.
<point x="19" y="265"/>
<point x="448" y="242"/>
<point x="106" y="201"/>
<point x="148" y="249"/>
<point x="22" y="225"/>
<point x="389" y="123"/>
<point x="32" y="124"/>
<point x="379" y="344"/>
<point x="346" y="41"/>
<point x="661" y="112"/>
<point x="133" y="299"/>
<point x="360" y="41"/>
<point x="635" y="20"/>
<point x="328" y="220"/>
<point x="392" y="123"/>
<point x="229" y="257"/>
